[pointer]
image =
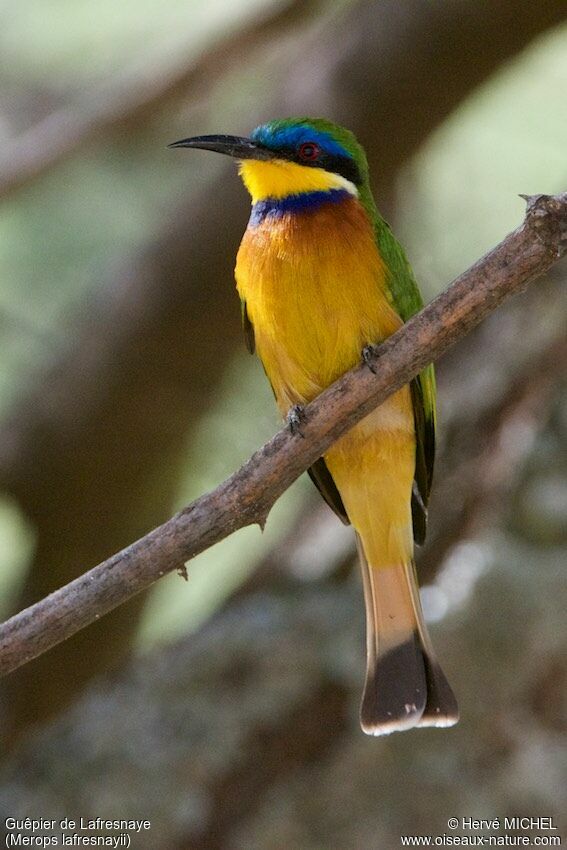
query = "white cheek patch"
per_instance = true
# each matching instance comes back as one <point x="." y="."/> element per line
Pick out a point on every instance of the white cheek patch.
<point x="342" y="183"/>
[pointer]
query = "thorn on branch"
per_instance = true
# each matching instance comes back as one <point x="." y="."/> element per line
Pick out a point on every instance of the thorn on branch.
<point x="531" y="201"/>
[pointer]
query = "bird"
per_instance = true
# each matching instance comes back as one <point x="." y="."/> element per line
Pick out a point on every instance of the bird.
<point x="322" y="280"/>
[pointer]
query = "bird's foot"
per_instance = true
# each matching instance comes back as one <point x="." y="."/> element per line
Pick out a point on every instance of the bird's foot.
<point x="368" y="355"/>
<point x="295" y="417"/>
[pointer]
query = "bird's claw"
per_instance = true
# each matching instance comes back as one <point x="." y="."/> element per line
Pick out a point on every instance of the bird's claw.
<point x="295" y="417"/>
<point x="368" y="355"/>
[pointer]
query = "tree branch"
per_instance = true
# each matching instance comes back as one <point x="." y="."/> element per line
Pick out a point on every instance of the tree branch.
<point x="247" y="496"/>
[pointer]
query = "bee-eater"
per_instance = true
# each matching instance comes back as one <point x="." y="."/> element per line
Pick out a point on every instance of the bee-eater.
<point x="321" y="278"/>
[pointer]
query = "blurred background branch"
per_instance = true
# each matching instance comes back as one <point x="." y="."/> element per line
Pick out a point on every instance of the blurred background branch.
<point x="139" y="93"/>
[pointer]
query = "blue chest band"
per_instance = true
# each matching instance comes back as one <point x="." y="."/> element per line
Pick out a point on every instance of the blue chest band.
<point x="295" y="204"/>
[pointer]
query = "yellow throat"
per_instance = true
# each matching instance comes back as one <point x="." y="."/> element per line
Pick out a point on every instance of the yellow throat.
<point x="280" y="178"/>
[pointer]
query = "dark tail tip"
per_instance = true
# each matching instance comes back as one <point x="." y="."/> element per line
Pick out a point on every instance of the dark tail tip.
<point x="395" y="691"/>
<point x="441" y="709"/>
<point x="405" y="688"/>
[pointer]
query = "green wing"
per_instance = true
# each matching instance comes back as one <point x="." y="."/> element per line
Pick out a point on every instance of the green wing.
<point x="407" y="300"/>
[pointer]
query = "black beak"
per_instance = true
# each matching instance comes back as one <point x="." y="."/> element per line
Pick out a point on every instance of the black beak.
<point x="236" y="146"/>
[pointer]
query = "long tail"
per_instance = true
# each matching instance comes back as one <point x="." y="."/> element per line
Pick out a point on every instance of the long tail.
<point x="405" y="686"/>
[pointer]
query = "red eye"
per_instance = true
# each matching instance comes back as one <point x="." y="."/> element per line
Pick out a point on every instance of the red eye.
<point x="309" y="151"/>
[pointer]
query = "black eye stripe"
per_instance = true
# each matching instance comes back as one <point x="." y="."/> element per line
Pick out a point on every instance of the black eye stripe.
<point x="343" y="165"/>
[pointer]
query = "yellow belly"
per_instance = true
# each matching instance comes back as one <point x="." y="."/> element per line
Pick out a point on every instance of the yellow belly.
<point x="315" y="294"/>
